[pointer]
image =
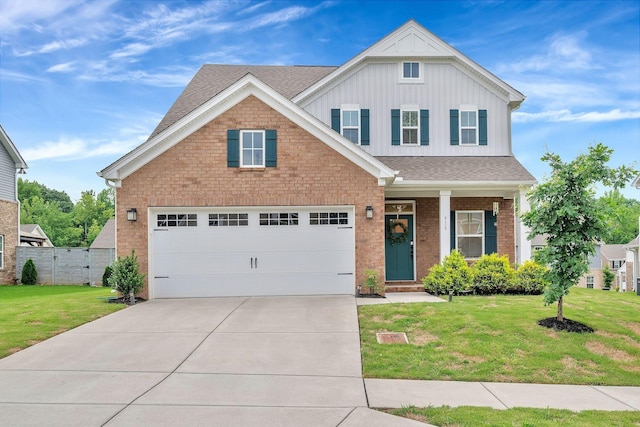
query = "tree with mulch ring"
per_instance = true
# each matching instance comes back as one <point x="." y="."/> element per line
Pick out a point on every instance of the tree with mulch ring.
<point x="564" y="210"/>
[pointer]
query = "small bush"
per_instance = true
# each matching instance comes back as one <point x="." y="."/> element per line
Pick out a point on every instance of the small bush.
<point x="371" y="281"/>
<point x="453" y="275"/>
<point x="608" y="277"/>
<point x="531" y="278"/>
<point x="108" y="271"/>
<point x="493" y="274"/>
<point x="29" y="273"/>
<point x="126" y="276"/>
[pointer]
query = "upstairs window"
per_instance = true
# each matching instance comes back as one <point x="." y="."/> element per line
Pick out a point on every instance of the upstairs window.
<point x="252" y="148"/>
<point x="468" y="128"/>
<point x="410" y="127"/>
<point x="351" y="125"/>
<point x="410" y="70"/>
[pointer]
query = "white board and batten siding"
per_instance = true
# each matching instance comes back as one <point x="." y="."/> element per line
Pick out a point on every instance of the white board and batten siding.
<point x="445" y="86"/>
<point x="245" y="254"/>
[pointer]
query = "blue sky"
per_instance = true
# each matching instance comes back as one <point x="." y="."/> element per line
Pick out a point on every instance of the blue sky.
<point x="82" y="82"/>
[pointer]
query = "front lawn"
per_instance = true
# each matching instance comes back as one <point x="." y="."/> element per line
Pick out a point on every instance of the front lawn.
<point x="466" y="416"/>
<point x="497" y="338"/>
<point x="30" y="314"/>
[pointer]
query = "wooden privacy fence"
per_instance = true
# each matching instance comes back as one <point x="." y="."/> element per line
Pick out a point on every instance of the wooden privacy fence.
<point x="66" y="266"/>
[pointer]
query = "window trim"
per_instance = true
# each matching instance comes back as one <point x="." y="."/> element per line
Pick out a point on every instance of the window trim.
<point x="264" y="149"/>
<point x="351" y="108"/>
<point x="1" y="251"/>
<point x="481" y="235"/>
<point x="410" y="109"/>
<point x="419" y="79"/>
<point x="468" y="109"/>
<point x="593" y="282"/>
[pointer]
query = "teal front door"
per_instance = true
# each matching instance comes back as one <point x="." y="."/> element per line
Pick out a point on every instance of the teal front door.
<point x="398" y="247"/>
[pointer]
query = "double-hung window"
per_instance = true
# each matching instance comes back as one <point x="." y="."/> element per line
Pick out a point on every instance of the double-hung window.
<point x="410" y="127"/>
<point x="351" y="125"/>
<point x="470" y="233"/>
<point x="590" y="282"/>
<point x="468" y="128"/>
<point x="252" y="148"/>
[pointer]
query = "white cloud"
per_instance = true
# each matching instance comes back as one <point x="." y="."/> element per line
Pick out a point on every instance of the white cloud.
<point x="19" y="14"/>
<point x="75" y="148"/>
<point x="62" y="68"/>
<point x="133" y="49"/>
<point x="568" y="116"/>
<point x="62" y="44"/>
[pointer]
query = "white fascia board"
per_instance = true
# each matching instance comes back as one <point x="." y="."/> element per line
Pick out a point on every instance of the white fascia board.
<point x="458" y="185"/>
<point x="636" y="182"/>
<point x="243" y="88"/>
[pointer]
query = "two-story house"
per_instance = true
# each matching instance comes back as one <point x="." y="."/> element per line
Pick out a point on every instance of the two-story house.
<point x="276" y="180"/>
<point x="11" y="163"/>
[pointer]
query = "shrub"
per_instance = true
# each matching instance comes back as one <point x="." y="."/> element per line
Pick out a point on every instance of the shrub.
<point x="125" y="276"/>
<point x="531" y="278"/>
<point x="453" y="275"/>
<point x="29" y="273"/>
<point x="493" y="274"/>
<point x="371" y="281"/>
<point x="608" y="277"/>
<point x="108" y="271"/>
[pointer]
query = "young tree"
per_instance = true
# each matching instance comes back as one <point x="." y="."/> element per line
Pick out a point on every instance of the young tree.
<point x="564" y="209"/>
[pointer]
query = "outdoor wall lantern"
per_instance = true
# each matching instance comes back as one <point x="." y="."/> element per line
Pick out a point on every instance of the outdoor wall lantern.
<point x="369" y="212"/>
<point x="132" y="214"/>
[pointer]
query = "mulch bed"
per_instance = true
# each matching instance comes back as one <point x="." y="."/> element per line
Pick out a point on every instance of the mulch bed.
<point x="567" y="325"/>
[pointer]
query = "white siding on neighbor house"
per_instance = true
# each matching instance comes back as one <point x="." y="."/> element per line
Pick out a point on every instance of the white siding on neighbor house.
<point x="7" y="176"/>
<point x="446" y="86"/>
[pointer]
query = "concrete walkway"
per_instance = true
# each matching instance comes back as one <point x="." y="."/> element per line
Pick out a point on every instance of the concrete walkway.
<point x="279" y="361"/>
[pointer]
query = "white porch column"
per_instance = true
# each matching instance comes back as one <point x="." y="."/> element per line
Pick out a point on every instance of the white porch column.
<point x="524" y="245"/>
<point x="445" y="221"/>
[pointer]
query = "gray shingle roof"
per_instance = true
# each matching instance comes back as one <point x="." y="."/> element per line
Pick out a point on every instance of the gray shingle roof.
<point x="106" y="239"/>
<point x="212" y="79"/>
<point x="613" y="252"/>
<point x="459" y="168"/>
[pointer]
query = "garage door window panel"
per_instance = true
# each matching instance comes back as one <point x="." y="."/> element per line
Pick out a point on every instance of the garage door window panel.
<point x="289" y="218"/>
<point x="228" y="220"/>
<point x="177" y="220"/>
<point x="329" y="218"/>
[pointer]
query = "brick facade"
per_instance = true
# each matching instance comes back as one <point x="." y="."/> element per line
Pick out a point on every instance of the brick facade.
<point x="9" y="229"/>
<point x="195" y="173"/>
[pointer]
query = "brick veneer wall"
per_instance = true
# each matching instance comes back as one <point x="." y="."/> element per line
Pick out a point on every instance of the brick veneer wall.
<point x="9" y="229"/>
<point x="308" y="172"/>
<point x="428" y="228"/>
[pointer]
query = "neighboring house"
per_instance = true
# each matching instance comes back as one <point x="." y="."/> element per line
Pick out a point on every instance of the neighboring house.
<point x="284" y="180"/>
<point x="33" y="235"/>
<point x="633" y="248"/>
<point x="613" y="256"/>
<point x="106" y="239"/>
<point x="11" y="163"/>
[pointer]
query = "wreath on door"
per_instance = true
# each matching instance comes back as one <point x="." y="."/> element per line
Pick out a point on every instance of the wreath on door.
<point x="397" y="237"/>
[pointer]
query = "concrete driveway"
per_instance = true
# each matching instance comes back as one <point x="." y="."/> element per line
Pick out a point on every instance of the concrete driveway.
<point x="268" y="361"/>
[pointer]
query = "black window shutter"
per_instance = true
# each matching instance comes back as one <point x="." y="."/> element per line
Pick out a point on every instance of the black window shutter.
<point x="454" y="131"/>
<point x="490" y="233"/>
<point x="424" y="127"/>
<point x="364" y="126"/>
<point x="271" y="148"/>
<point x="482" y="127"/>
<point x="335" y="119"/>
<point x="233" y="148"/>
<point x="395" y="127"/>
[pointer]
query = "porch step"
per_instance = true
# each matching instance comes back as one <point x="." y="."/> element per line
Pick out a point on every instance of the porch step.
<point x="409" y="287"/>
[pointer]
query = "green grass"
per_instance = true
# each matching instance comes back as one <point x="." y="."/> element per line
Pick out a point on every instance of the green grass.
<point x="496" y="338"/>
<point x="30" y="314"/>
<point x="471" y="416"/>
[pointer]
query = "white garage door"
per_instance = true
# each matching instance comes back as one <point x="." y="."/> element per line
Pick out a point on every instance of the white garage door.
<point x="198" y="252"/>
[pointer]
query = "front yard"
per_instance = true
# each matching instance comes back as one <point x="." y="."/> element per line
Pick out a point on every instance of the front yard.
<point x="496" y="338"/>
<point x="30" y="314"/>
